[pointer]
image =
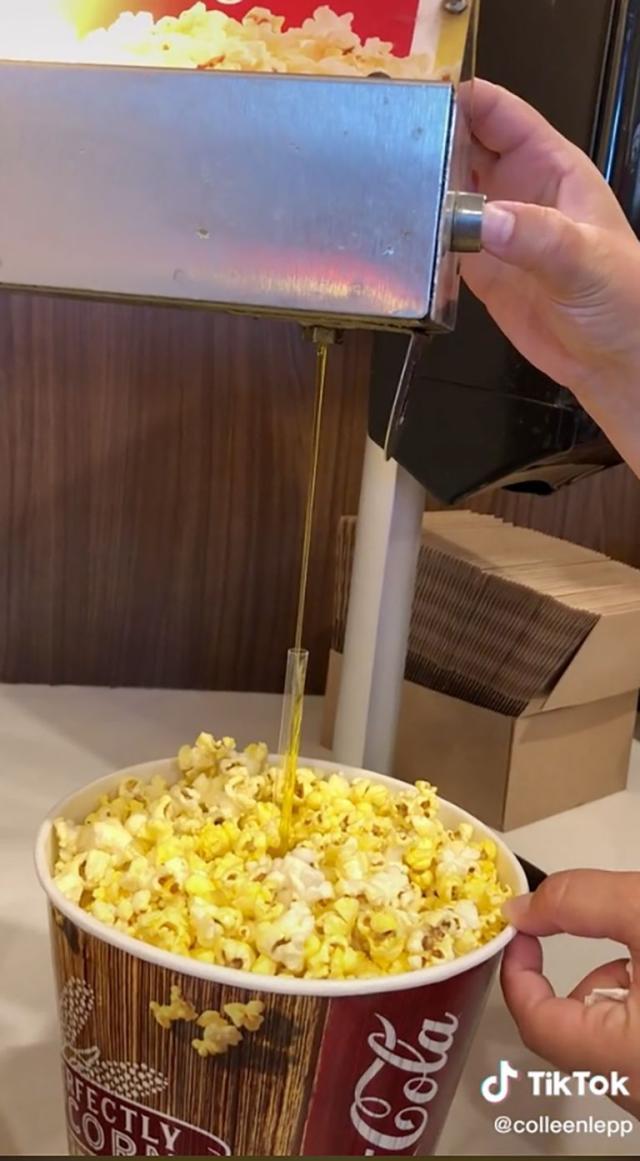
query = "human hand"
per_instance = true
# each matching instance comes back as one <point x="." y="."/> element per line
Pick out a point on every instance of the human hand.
<point x="560" y="273"/>
<point x="601" y="1039"/>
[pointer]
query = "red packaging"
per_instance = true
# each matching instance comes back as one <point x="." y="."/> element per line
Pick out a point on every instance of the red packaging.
<point x="404" y="40"/>
<point x="393" y="22"/>
<point x="355" y="1068"/>
<point x="409" y="40"/>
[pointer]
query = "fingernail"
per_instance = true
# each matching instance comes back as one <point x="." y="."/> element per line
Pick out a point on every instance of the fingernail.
<point x="515" y="910"/>
<point x="498" y="226"/>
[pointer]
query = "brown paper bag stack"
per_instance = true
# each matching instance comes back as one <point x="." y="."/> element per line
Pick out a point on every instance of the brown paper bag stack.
<point x="522" y="670"/>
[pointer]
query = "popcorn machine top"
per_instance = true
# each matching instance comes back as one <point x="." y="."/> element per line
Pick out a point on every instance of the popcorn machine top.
<point x="337" y="200"/>
<point x="329" y="199"/>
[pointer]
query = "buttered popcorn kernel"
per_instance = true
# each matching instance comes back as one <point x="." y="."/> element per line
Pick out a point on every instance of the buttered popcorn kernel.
<point x="218" y="1035"/>
<point x="248" y="1016"/>
<point x="374" y="883"/>
<point x="221" y="1032"/>
<point x="177" y="1009"/>
<point x="325" y="44"/>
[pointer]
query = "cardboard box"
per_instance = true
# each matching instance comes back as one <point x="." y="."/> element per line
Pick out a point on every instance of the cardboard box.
<point x="522" y="671"/>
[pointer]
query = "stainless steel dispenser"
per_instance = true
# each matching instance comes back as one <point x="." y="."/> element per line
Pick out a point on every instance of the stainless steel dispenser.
<point x="335" y="202"/>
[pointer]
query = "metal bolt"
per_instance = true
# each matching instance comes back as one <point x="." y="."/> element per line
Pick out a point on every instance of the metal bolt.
<point x="456" y="6"/>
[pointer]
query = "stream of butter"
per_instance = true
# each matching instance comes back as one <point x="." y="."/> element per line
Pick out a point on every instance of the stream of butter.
<point x="291" y="728"/>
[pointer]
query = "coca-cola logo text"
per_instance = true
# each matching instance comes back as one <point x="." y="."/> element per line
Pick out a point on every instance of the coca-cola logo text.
<point x="404" y="1127"/>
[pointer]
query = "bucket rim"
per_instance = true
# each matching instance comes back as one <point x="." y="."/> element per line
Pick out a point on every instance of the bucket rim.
<point x="250" y="981"/>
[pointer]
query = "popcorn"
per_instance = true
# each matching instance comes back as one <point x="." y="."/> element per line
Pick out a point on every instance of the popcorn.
<point x="178" y="1009"/>
<point x="218" y="1035"/>
<point x="324" y="45"/>
<point x="249" y="1016"/>
<point x="374" y="883"/>
<point x="283" y="940"/>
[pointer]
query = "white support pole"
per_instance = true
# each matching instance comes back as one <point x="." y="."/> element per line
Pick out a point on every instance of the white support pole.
<point x="382" y="588"/>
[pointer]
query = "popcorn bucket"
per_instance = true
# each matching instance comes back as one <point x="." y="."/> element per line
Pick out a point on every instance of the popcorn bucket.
<point x="356" y="1068"/>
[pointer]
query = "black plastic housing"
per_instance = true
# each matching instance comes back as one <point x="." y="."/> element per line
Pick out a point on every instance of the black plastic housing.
<point x="479" y="417"/>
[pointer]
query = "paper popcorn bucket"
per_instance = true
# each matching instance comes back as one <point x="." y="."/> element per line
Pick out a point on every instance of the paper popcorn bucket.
<point x="353" y="1068"/>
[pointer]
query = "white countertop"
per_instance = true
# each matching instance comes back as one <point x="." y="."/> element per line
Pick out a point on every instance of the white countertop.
<point x="54" y="740"/>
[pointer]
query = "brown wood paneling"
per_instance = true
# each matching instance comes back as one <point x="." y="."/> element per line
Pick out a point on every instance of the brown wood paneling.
<point x="152" y="478"/>
<point x="602" y="513"/>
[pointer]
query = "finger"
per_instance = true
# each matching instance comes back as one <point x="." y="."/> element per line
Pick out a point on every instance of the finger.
<point x="502" y="122"/>
<point x="488" y="277"/>
<point x="539" y="160"/>
<point x="563" y="1031"/>
<point x="594" y="904"/>
<point x="608" y="976"/>
<point x="482" y="165"/>
<point x="524" y="955"/>
<point x="541" y="241"/>
<point x="522" y="980"/>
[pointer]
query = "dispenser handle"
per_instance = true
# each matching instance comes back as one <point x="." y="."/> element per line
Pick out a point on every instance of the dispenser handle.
<point x="415" y="348"/>
<point x="465" y="212"/>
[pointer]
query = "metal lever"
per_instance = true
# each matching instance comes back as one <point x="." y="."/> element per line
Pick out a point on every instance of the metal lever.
<point x="415" y="348"/>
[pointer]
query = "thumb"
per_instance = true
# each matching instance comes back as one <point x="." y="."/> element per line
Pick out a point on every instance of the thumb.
<point x="543" y="242"/>
<point x="594" y="904"/>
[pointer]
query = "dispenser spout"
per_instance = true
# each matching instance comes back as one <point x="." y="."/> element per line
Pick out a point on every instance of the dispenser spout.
<point x="323" y="336"/>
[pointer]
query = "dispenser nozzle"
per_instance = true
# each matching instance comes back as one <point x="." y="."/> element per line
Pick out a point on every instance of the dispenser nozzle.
<point x="323" y="336"/>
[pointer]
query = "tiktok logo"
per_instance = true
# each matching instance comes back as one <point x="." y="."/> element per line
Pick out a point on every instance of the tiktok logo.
<point x="495" y="1089"/>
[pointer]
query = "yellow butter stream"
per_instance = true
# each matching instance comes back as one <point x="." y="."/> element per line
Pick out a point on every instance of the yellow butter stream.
<point x="374" y="883"/>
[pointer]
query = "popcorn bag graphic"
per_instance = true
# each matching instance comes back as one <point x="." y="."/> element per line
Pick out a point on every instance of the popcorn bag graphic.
<point x="408" y="39"/>
<point x="168" y="1056"/>
<point x="403" y="24"/>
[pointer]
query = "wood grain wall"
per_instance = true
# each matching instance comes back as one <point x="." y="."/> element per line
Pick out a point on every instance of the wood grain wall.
<point x="152" y="478"/>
